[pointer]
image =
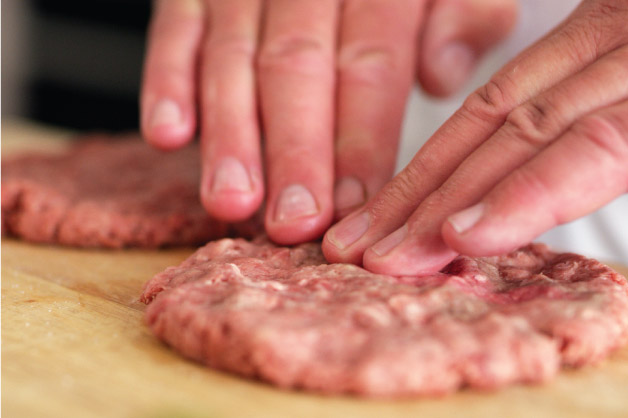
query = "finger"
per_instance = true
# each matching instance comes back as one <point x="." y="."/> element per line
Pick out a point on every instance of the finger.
<point x="231" y="186"/>
<point x="566" y="51"/>
<point x="168" y="110"/>
<point x="548" y="191"/>
<point x="375" y="63"/>
<point x="296" y="82"/>
<point x="527" y="131"/>
<point x="456" y="35"/>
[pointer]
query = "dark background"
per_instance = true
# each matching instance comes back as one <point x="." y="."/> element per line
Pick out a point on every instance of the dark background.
<point x="75" y="64"/>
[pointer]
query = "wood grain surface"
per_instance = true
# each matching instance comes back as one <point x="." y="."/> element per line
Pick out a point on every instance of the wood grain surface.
<point x="74" y="345"/>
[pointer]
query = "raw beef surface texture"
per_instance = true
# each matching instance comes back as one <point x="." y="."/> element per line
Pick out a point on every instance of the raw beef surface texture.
<point x="107" y="192"/>
<point x="285" y="316"/>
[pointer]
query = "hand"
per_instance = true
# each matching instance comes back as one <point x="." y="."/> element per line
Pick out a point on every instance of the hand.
<point x="544" y="142"/>
<point x="330" y="79"/>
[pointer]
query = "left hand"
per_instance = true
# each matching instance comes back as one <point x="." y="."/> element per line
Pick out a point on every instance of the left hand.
<point x="325" y="80"/>
<point x="544" y="142"/>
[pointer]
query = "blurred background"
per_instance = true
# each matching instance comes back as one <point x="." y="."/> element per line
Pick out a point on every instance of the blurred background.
<point x="75" y="64"/>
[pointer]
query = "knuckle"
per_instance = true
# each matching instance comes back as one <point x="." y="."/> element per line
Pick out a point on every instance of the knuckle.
<point x="611" y="7"/>
<point x="602" y="23"/>
<point x="167" y="76"/>
<point x="296" y="54"/>
<point x="489" y="102"/>
<point x="293" y="151"/>
<point x="532" y="123"/>
<point x="583" y="42"/>
<point x="608" y="10"/>
<point x="368" y="64"/>
<point x="236" y="45"/>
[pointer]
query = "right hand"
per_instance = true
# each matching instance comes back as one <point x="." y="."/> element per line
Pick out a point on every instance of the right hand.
<point x="543" y="142"/>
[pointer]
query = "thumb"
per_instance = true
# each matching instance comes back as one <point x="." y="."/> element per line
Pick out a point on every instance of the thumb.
<point x="456" y="34"/>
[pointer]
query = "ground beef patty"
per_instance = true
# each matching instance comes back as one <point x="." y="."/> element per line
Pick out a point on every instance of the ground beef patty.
<point x="106" y="192"/>
<point x="285" y="316"/>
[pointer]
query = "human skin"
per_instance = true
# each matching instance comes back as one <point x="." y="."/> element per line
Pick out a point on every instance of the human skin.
<point x="324" y="82"/>
<point x="544" y="142"/>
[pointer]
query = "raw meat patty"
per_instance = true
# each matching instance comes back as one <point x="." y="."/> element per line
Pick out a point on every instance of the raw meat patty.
<point x="107" y="192"/>
<point x="285" y="316"/>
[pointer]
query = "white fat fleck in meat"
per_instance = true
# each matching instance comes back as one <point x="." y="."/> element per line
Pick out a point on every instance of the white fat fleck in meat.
<point x="480" y="278"/>
<point x="588" y="313"/>
<point x="223" y="273"/>
<point x="249" y="298"/>
<point x="519" y="323"/>
<point x="236" y="269"/>
<point x="201" y="257"/>
<point x="407" y="308"/>
<point x="374" y="314"/>
<point x="274" y="285"/>
<point x="467" y="308"/>
<point x="251" y="282"/>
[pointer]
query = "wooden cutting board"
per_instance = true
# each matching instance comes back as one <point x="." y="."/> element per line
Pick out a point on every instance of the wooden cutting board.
<point x="74" y="345"/>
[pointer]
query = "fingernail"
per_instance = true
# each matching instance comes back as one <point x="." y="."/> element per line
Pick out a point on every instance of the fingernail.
<point x="165" y="112"/>
<point x="349" y="230"/>
<point x="465" y="219"/>
<point x="454" y="62"/>
<point x="348" y="193"/>
<point x="230" y="175"/>
<point x="384" y="246"/>
<point x="295" y="201"/>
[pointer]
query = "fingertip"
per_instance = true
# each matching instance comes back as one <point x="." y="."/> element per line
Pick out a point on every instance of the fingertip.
<point x="338" y="243"/>
<point x="457" y="34"/>
<point x="167" y="139"/>
<point x="460" y="233"/>
<point x="400" y="254"/>
<point x="475" y="243"/>
<point x="475" y="233"/>
<point x="230" y="191"/>
<point x="334" y="255"/>
<point x="374" y="263"/>
<point x="447" y="70"/>
<point x="408" y="261"/>
<point x="349" y="195"/>
<point x="387" y="256"/>
<point x="231" y="206"/>
<point x="296" y="215"/>
<point x="459" y="242"/>
<point x="296" y="231"/>
<point x="167" y="98"/>
<point x="166" y="126"/>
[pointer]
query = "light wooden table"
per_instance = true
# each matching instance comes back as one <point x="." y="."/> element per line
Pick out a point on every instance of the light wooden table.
<point x="74" y="345"/>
